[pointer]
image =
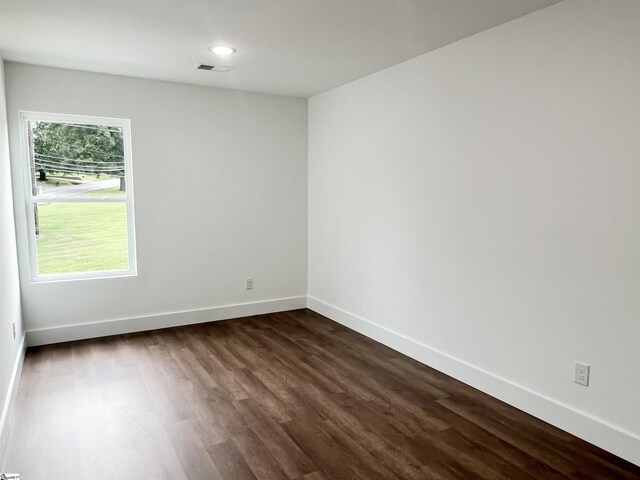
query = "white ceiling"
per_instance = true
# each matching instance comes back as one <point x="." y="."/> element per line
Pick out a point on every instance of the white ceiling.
<point x="289" y="47"/>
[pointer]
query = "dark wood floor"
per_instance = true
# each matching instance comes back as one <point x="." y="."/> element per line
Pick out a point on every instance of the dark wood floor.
<point x="289" y="395"/>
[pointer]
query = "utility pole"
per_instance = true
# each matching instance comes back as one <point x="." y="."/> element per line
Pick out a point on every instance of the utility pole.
<point x="32" y="171"/>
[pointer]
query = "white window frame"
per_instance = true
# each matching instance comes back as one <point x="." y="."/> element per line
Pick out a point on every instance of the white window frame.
<point x="31" y="200"/>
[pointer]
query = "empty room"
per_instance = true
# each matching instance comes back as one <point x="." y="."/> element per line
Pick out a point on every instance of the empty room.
<point x="319" y="239"/>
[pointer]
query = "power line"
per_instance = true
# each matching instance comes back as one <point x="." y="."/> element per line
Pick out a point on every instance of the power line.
<point x="83" y="149"/>
<point x="106" y="128"/>
<point x="75" y="172"/>
<point x="86" y="160"/>
<point x="52" y="168"/>
<point x="83" y="168"/>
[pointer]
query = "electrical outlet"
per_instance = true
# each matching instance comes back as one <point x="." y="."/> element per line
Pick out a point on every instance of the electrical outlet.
<point x="581" y="374"/>
<point x="14" y="330"/>
<point x="248" y="283"/>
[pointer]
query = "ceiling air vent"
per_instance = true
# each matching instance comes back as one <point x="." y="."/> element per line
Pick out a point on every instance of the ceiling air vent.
<point x="213" y="68"/>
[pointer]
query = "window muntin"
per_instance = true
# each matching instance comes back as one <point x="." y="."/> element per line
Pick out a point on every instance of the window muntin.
<point x="79" y="196"/>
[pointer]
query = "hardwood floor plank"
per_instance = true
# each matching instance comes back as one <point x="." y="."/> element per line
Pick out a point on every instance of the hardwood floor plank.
<point x="313" y="476"/>
<point x="319" y="446"/>
<point x="554" y="454"/>
<point x="230" y="463"/>
<point x="255" y="453"/>
<point x="194" y="458"/>
<point x="294" y="462"/>
<point x="497" y="446"/>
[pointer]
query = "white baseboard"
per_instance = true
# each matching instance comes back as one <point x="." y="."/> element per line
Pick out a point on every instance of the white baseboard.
<point x="9" y="400"/>
<point x="594" y="430"/>
<point x="66" y="333"/>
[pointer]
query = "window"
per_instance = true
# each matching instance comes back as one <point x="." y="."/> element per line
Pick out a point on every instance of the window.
<point x="79" y="194"/>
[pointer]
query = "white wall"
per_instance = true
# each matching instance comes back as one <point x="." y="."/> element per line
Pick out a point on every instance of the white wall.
<point x="9" y="282"/>
<point x="482" y="201"/>
<point x="220" y="195"/>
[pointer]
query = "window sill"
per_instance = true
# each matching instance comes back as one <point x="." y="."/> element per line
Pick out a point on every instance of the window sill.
<point x="72" y="277"/>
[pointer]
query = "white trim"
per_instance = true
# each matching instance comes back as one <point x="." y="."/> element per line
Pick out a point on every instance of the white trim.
<point x="73" y="118"/>
<point x="9" y="401"/>
<point x="581" y="424"/>
<point x="31" y="200"/>
<point x="67" y="333"/>
<point x="79" y="199"/>
<point x="70" y="277"/>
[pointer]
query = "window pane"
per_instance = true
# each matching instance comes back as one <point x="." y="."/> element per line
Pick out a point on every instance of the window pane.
<point x="82" y="160"/>
<point x="81" y="237"/>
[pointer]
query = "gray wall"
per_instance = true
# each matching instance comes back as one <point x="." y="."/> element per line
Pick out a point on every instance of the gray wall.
<point x="220" y="194"/>
<point x="9" y="282"/>
<point x="483" y="202"/>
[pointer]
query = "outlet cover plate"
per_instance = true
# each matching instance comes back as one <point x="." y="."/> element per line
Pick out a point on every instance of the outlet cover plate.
<point x="581" y="374"/>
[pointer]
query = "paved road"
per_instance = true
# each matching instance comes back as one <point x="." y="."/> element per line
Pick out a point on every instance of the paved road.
<point x="69" y="190"/>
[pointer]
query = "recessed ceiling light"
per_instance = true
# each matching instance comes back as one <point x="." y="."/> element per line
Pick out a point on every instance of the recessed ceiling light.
<point x="220" y="50"/>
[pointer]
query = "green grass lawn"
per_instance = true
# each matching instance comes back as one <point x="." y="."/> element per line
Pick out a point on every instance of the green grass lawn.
<point x="82" y="237"/>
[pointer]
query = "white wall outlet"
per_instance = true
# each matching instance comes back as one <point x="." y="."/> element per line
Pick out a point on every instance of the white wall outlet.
<point x="581" y="373"/>
<point x="248" y="283"/>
